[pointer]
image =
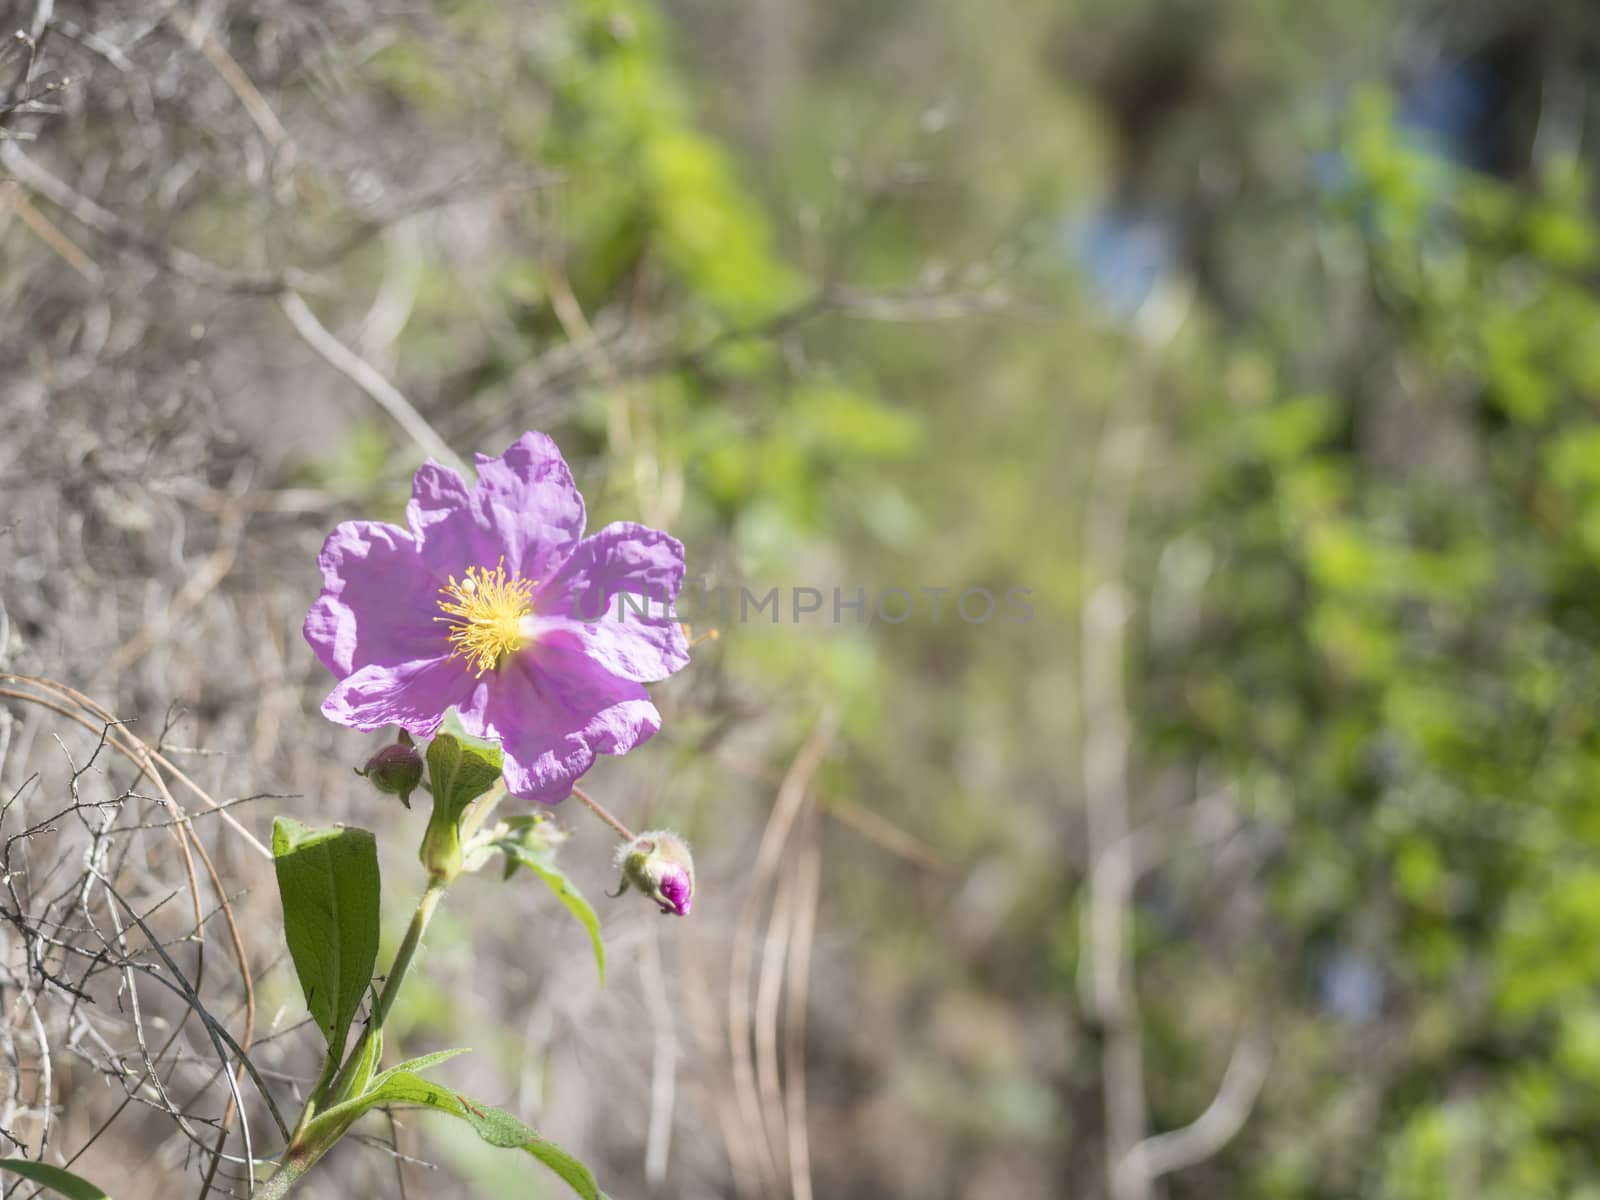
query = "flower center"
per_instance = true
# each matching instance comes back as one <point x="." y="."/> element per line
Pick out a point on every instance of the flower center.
<point x="486" y="613"/>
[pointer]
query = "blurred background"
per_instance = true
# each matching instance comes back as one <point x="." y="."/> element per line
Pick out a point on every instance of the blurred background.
<point x="1257" y="342"/>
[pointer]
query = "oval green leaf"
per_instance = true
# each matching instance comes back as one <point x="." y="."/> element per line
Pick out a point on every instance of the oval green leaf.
<point x="328" y="882"/>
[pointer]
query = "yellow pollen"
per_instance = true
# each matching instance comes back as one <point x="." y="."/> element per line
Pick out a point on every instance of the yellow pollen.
<point x="484" y="612"/>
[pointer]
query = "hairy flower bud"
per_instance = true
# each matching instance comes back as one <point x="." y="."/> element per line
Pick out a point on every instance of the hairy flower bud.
<point x="659" y="865"/>
<point x="396" y="769"/>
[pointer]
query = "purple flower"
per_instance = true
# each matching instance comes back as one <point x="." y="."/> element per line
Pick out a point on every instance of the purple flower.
<point x="490" y="601"/>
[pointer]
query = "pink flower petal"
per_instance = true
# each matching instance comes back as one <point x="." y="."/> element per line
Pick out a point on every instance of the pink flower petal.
<point x="437" y="495"/>
<point x="636" y="638"/>
<point x="677" y="889"/>
<point x="450" y="534"/>
<point x="377" y="603"/>
<point x="554" y="710"/>
<point x="412" y="695"/>
<point x="526" y="505"/>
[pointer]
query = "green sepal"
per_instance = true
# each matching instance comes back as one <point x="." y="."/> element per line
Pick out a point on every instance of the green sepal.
<point x="460" y="769"/>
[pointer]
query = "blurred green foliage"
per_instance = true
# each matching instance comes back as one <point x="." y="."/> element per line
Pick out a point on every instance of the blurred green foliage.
<point x="1396" y="656"/>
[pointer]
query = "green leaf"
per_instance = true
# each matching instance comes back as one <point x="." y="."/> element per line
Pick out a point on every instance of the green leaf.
<point x="460" y="769"/>
<point x="566" y="891"/>
<point x="328" y="881"/>
<point x="499" y="1128"/>
<point x="401" y="1086"/>
<point x="371" y="1048"/>
<point x="416" y="1066"/>
<point x="53" y="1178"/>
<point x="397" y="1085"/>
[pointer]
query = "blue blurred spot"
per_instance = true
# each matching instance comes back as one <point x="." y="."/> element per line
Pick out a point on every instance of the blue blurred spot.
<point x="1450" y="109"/>
<point x="1123" y="254"/>
<point x="1352" y="987"/>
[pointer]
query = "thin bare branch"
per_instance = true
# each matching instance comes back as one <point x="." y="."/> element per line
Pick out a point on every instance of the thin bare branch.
<point x="369" y="379"/>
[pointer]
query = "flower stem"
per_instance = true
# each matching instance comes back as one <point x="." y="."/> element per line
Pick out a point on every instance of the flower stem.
<point x="595" y="807"/>
<point x="396" y="977"/>
<point x="319" y="1093"/>
<point x="408" y="948"/>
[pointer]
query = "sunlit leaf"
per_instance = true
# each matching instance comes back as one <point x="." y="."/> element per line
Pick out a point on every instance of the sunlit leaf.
<point x="328" y="882"/>
<point x="400" y="1087"/>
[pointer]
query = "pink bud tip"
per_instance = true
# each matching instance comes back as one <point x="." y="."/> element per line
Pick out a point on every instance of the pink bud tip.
<point x="678" y="891"/>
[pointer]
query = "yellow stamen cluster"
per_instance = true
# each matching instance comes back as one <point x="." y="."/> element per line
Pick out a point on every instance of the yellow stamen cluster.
<point x="485" y="613"/>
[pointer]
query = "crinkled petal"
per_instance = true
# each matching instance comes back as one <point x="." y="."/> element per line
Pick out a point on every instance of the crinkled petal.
<point x="677" y="890"/>
<point x="524" y="508"/>
<point x="553" y="710"/>
<point x="526" y="504"/>
<point x="450" y="536"/>
<point x="437" y="495"/>
<point x="378" y="601"/>
<point x="413" y="695"/>
<point x="637" y="638"/>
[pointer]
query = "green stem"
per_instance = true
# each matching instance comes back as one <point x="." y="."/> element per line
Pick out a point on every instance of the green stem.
<point x="285" y="1177"/>
<point x="408" y="948"/>
<point x="318" y="1093"/>
<point x="396" y="977"/>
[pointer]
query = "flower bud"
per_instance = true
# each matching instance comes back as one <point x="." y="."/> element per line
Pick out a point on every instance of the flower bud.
<point x="396" y="769"/>
<point x="659" y="865"/>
